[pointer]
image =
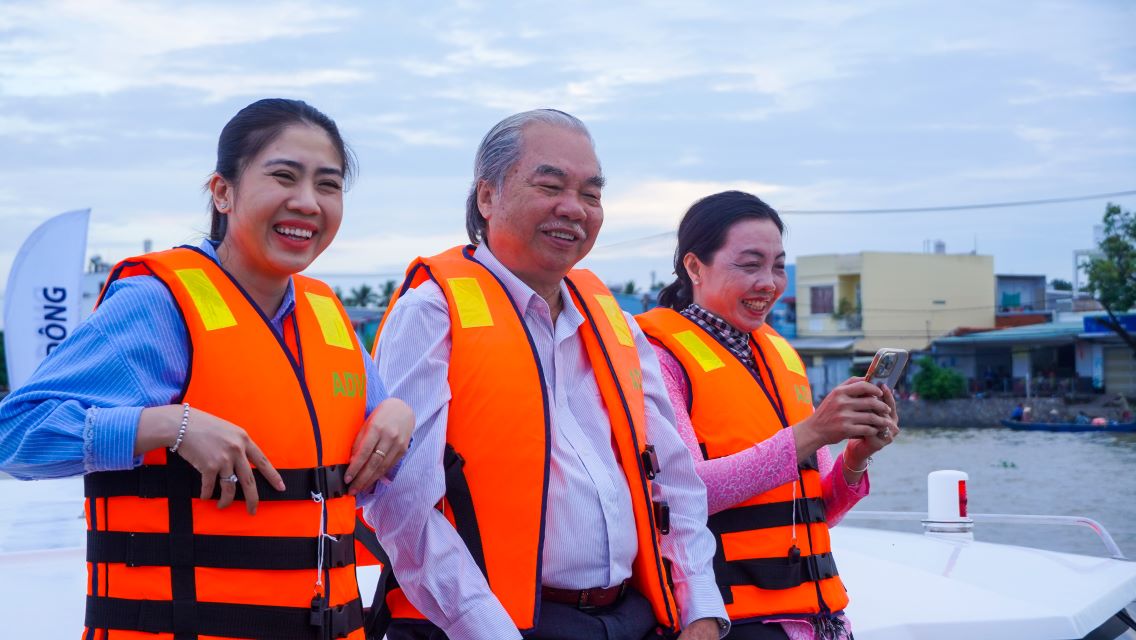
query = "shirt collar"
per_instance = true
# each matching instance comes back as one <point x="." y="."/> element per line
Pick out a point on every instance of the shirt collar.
<point x="287" y="305"/>
<point x="724" y="332"/>
<point x="522" y="294"/>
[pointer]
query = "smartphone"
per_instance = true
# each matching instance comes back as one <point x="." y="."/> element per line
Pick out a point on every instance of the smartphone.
<point x="886" y="367"/>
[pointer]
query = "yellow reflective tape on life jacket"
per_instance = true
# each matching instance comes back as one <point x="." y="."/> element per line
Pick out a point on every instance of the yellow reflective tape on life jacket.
<point x="702" y="353"/>
<point x="215" y="314"/>
<point x="331" y="323"/>
<point x="788" y="354"/>
<point x="473" y="311"/>
<point x="615" y="317"/>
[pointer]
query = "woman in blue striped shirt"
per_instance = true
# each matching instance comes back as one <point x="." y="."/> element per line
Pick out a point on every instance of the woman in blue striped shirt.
<point x="114" y="390"/>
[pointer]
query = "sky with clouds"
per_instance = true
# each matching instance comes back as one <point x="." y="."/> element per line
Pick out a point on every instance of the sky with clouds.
<point x="117" y="105"/>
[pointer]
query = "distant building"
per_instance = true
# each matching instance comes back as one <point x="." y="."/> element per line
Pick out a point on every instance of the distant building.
<point x="92" y="284"/>
<point x="850" y="305"/>
<point x="1110" y="361"/>
<point x="1020" y="300"/>
<point x="1053" y="358"/>
<point x="783" y="316"/>
<point x="893" y="299"/>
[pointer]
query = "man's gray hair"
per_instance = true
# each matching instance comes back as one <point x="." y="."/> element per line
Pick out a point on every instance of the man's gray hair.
<point x="499" y="151"/>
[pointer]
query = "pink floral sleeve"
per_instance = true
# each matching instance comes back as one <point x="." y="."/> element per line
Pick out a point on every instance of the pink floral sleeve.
<point x="762" y="467"/>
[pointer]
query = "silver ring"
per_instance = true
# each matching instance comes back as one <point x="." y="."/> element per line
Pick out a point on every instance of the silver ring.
<point x="379" y="452"/>
<point x="232" y="478"/>
<point x="886" y="434"/>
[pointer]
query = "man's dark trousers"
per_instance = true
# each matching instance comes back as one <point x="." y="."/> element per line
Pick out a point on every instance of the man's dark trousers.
<point x="629" y="619"/>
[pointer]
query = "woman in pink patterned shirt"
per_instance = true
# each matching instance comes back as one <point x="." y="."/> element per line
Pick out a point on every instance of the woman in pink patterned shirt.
<point x="730" y="264"/>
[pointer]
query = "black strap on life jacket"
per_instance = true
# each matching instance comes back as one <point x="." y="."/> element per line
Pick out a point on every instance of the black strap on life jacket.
<point x="182" y="550"/>
<point x="766" y="573"/>
<point x="153" y="481"/>
<point x="766" y="516"/>
<point x="226" y="620"/>
<point x="225" y="552"/>
<point x="183" y="578"/>
<point x="460" y="500"/>
<point x="775" y="573"/>
<point x="377" y="618"/>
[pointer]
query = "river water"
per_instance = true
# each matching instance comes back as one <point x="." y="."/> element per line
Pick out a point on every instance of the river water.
<point x="1082" y="474"/>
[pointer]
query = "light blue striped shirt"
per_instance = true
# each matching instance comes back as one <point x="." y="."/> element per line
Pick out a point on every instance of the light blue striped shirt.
<point x="590" y="538"/>
<point x="78" y="413"/>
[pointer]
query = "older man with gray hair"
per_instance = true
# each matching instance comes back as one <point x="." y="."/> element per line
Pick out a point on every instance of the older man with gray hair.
<point x="547" y="493"/>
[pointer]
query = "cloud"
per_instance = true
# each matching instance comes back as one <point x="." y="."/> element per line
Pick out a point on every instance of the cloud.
<point x="511" y="98"/>
<point x="1119" y="82"/>
<point x="468" y="49"/>
<point x="476" y="49"/>
<point x="1107" y="81"/>
<point x="103" y="47"/>
<point x="630" y="52"/>
<point x="660" y="203"/>
<point x="1041" y="137"/>
<point x="397" y="126"/>
<point x="219" y="87"/>
<point x="27" y="130"/>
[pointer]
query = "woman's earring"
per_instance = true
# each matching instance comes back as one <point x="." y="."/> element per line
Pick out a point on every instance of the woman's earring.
<point x="223" y="206"/>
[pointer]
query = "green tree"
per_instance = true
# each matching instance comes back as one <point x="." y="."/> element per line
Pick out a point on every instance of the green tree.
<point x="1112" y="274"/>
<point x="937" y="383"/>
<point x="363" y="295"/>
<point x="339" y="294"/>
<point x="629" y="288"/>
<point x="1061" y="285"/>
<point x="387" y="293"/>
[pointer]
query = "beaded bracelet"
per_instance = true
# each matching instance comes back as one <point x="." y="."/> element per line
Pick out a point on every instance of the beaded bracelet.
<point x="867" y="463"/>
<point x="181" y="429"/>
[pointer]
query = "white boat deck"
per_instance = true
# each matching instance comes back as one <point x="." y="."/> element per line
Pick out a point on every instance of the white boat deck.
<point x="905" y="585"/>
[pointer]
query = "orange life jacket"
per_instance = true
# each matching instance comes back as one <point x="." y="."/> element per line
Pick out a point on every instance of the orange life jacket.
<point x="164" y="564"/>
<point x="757" y="570"/>
<point x="498" y="433"/>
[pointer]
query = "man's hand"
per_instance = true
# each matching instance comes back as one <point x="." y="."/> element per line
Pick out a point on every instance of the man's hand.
<point x="701" y="629"/>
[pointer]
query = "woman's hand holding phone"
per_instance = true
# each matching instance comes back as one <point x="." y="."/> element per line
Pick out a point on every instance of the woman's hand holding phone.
<point x="854" y="409"/>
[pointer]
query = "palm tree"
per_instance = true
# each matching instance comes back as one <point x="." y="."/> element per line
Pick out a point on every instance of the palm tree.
<point x="363" y="296"/>
<point x="388" y="293"/>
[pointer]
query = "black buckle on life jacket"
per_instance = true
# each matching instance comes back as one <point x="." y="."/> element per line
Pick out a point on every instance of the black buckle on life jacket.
<point x="334" y="621"/>
<point x="329" y="481"/>
<point x="339" y="552"/>
<point x="650" y="461"/>
<point x="662" y="516"/>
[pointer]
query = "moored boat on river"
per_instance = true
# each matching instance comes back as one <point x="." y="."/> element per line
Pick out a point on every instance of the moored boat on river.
<point x="1116" y="427"/>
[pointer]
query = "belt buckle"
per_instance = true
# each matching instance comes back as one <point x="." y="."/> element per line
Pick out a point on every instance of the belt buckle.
<point x="582" y="600"/>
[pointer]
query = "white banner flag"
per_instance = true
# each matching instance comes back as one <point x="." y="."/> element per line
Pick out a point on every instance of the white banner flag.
<point x="41" y="303"/>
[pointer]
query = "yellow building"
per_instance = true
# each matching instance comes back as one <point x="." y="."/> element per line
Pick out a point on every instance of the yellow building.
<point x="899" y="300"/>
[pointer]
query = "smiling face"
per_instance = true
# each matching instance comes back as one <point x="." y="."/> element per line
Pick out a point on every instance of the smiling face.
<point x="284" y="208"/>
<point x="547" y="213"/>
<point x="744" y="277"/>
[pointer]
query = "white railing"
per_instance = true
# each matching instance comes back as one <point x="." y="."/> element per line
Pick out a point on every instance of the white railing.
<point x="1000" y="518"/>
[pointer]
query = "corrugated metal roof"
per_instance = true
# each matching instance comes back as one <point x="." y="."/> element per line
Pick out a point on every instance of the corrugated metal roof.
<point x="822" y="344"/>
<point x="1049" y="332"/>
